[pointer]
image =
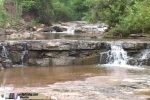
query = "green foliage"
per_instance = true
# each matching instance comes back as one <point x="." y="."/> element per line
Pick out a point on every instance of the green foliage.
<point x="44" y="10"/>
<point x="42" y="7"/>
<point x="3" y="14"/>
<point x="138" y="18"/>
<point x="28" y="4"/>
<point x="90" y="13"/>
<point x="61" y="11"/>
<point x="123" y="16"/>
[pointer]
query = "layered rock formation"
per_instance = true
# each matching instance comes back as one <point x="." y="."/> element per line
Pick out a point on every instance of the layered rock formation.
<point x="62" y="52"/>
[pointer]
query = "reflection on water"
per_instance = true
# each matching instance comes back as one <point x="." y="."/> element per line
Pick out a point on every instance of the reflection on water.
<point x="41" y="76"/>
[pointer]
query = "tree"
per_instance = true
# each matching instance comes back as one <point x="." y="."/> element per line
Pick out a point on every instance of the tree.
<point x="3" y="14"/>
<point x="44" y="9"/>
<point x="123" y="16"/>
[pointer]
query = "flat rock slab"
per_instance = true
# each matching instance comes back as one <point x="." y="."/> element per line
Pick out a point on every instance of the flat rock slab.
<point x="62" y="44"/>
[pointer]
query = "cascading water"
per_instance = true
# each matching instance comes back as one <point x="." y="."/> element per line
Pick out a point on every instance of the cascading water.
<point x="8" y="57"/>
<point x="145" y="55"/>
<point x="117" y="56"/>
<point x="23" y="54"/>
<point x="5" y="52"/>
<point x="70" y="30"/>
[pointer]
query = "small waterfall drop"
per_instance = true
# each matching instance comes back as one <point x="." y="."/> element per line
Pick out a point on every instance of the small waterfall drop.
<point x="70" y="30"/>
<point x="117" y="55"/>
<point x="23" y="54"/>
<point x="5" y="52"/>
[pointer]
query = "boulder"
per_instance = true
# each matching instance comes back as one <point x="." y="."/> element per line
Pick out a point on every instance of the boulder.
<point x="31" y="28"/>
<point x="47" y="29"/>
<point x="59" y="28"/>
<point x="7" y="63"/>
<point x="15" y="57"/>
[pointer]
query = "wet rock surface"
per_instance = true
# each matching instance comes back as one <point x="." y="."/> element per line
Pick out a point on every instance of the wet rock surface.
<point x="69" y="52"/>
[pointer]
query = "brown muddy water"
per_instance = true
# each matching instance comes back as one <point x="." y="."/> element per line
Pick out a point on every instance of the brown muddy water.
<point x="79" y="82"/>
<point x="43" y="76"/>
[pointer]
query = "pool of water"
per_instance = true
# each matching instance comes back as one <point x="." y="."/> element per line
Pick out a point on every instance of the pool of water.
<point x="90" y="82"/>
<point x="42" y="76"/>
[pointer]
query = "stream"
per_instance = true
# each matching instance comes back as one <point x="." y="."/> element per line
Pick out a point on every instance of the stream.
<point x="114" y="78"/>
<point x="93" y="82"/>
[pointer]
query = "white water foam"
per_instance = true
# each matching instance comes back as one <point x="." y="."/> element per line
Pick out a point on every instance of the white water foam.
<point x="117" y="57"/>
<point x="100" y="28"/>
<point x="5" y="52"/>
<point x="70" y="30"/>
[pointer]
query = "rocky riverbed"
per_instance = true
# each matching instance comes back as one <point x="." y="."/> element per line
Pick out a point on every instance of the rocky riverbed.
<point x="72" y="30"/>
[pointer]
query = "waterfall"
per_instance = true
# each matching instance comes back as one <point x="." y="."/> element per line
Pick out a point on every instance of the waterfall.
<point x="5" y="52"/>
<point x="117" y="56"/>
<point x="70" y="30"/>
<point x="23" y="54"/>
<point x="9" y="57"/>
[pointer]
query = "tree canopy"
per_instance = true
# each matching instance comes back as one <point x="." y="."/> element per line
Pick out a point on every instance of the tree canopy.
<point x="123" y="16"/>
